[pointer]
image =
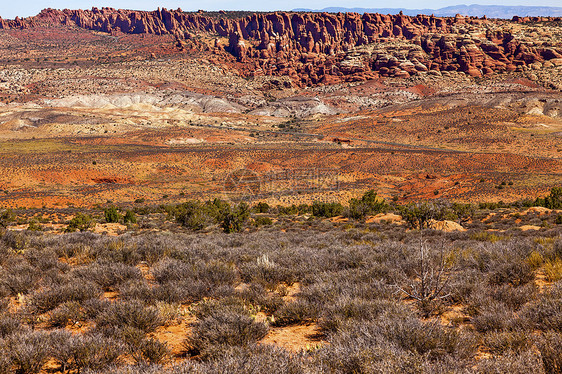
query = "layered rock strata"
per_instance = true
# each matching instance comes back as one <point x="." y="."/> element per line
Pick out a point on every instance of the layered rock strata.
<point x="315" y="48"/>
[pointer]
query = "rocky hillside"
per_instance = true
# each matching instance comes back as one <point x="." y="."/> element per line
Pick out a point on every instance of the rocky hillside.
<point x="315" y="48"/>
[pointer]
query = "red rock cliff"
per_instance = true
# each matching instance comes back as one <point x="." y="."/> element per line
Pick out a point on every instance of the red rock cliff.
<point x="315" y="48"/>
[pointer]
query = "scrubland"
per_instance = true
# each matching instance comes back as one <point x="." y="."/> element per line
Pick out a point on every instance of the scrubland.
<point x="204" y="287"/>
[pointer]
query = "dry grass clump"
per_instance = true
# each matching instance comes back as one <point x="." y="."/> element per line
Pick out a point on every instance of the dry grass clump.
<point x="361" y="289"/>
<point x="223" y="324"/>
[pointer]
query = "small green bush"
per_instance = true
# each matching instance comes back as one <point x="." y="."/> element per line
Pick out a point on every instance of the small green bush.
<point x="552" y="201"/>
<point x="263" y="221"/>
<point x="232" y="220"/>
<point x="129" y="217"/>
<point x="6" y="217"/>
<point x="419" y="215"/>
<point x="369" y="204"/>
<point x="111" y="215"/>
<point x="293" y="209"/>
<point x="261" y="207"/>
<point x="81" y="222"/>
<point x="197" y="216"/>
<point x="34" y="226"/>
<point x="327" y="210"/>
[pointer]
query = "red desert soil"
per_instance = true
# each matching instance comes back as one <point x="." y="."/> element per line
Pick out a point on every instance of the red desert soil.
<point x="295" y="338"/>
<point x="174" y="336"/>
<point x="94" y="111"/>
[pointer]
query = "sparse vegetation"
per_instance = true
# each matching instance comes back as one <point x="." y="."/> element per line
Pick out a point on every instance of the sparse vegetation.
<point x="380" y="294"/>
<point x="194" y="202"/>
<point x="348" y="289"/>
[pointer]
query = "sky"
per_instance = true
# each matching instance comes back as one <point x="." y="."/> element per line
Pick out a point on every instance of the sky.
<point x="9" y="9"/>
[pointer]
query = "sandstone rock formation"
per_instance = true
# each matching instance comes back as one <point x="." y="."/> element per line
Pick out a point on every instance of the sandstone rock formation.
<point x="314" y="48"/>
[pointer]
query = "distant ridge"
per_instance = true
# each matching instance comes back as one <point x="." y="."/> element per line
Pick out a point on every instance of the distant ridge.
<point x="327" y="48"/>
<point x="490" y="11"/>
